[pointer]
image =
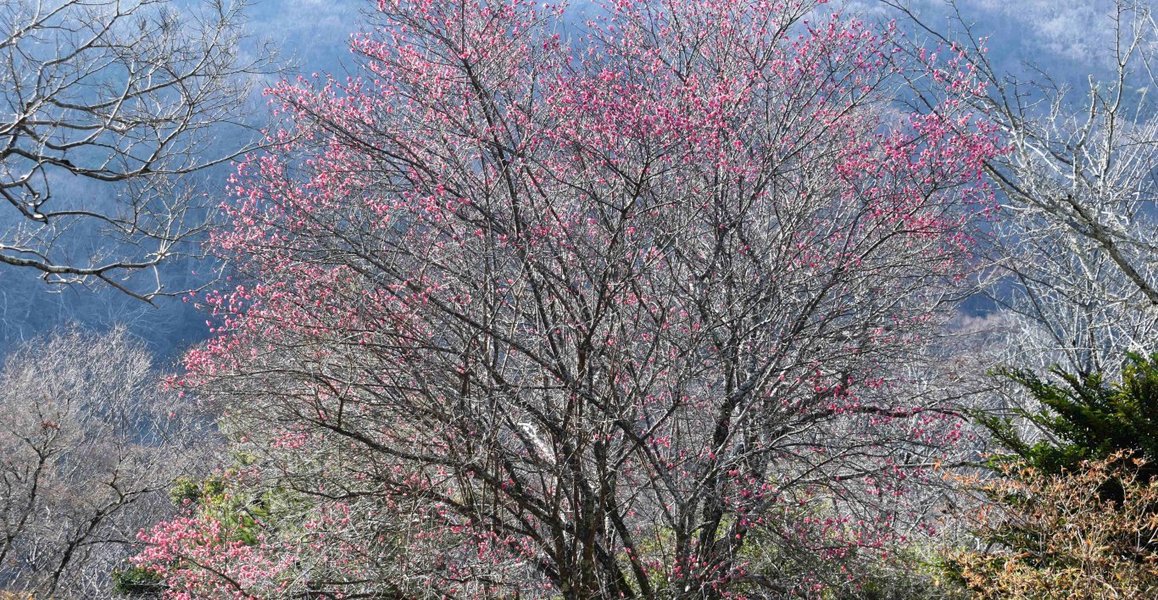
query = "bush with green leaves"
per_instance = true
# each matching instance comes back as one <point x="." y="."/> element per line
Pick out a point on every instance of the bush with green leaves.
<point x="1073" y="513"/>
<point x="1084" y="417"/>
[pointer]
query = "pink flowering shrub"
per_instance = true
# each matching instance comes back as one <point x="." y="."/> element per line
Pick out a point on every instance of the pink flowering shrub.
<point x="220" y="547"/>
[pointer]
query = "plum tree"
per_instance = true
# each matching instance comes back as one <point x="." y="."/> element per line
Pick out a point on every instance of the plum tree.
<point x="608" y="312"/>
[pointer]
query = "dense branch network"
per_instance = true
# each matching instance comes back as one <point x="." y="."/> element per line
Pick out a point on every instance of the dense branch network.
<point x="611" y="315"/>
<point x="89" y="447"/>
<point x="105" y="106"/>
<point x="1077" y="244"/>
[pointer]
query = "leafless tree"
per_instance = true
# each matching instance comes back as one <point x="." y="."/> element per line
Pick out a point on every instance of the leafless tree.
<point x="1076" y="242"/>
<point x="89" y="446"/>
<point x="105" y="107"/>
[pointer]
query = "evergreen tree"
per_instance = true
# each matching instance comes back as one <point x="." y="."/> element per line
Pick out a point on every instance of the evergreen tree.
<point x="1085" y="417"/>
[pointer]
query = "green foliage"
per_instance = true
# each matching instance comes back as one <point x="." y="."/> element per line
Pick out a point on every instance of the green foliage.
<point x="242" y="512"/>
<point x="190" y="491"/>
<point x="1085" y="418"/>
<point x="913" y="573"/>
<point x="137" y="581"/>
<point x="1070" y="516"/>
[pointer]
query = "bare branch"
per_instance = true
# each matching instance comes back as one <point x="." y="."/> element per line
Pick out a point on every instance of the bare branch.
<point x="105" y="108"/>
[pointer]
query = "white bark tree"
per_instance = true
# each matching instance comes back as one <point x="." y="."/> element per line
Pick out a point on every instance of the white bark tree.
<point x="1076" y="243"/>
<point x="89" y="448"/>
<point x="105" y="107"/>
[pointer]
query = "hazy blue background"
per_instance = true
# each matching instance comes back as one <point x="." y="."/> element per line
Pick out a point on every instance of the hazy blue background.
<point x="311" y="36"/>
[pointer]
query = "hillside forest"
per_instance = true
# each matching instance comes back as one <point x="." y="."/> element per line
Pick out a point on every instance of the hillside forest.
<point x="679" y="299"/>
